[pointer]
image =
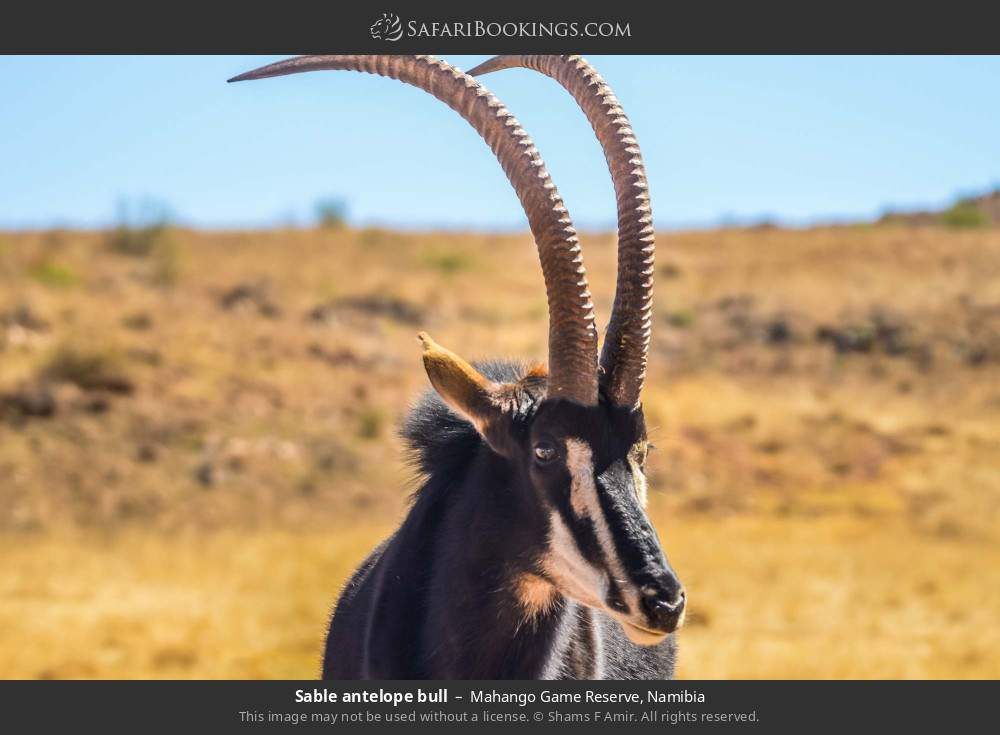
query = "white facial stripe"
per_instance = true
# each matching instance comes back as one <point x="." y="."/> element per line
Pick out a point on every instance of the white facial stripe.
<point x="583" y="493"/>
<point x="573" y="574"/>
<point x="585" y="503"/>
<point x="639" y="478"/>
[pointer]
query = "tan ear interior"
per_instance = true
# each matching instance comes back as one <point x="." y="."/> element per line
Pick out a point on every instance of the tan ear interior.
<point x="462" y="387"/>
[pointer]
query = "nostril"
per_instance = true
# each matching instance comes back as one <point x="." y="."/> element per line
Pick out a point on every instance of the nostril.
<point x="661" y="603"/>
<point x="677" y="603"/>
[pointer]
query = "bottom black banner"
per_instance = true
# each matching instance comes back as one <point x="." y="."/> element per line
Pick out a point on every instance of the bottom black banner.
<point x="229" y="706"/>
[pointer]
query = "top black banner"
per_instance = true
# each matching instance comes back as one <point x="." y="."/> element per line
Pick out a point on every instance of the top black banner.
<point x="439" y="27"/>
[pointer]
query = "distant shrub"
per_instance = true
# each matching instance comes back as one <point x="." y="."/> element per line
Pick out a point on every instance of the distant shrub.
<point x="252" y="295"/>
<point x="27" y="401"/>
<point x="87" y="368"/>
<point x="370" y="305"/>
<point x="370" y="423"/>
<point x="331" y="214"/>
<point x="145" y="231"/>
<point x="449" y="262"/>
<point x="142" y="228"/>
<point x="669" y="270"/>
<point x="378" y="237"/>
<point x="139" y="321"/>
<point x="53" y="274"/>
<point x="681" y="319"/>
<point x="849" y="338"/>
<point x="137" y="241"/>
<point x="964" y="215"/>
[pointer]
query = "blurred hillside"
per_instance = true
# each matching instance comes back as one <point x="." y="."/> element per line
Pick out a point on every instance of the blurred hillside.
<point x="980" y="210"/>
<point x="197" y="437"/>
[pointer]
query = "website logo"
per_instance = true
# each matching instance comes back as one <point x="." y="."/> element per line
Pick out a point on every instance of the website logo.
<point x="390" y="28"/>
<point x="387" y="28"/>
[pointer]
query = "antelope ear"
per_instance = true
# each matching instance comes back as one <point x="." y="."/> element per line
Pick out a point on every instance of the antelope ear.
<point x="466" y="390"/>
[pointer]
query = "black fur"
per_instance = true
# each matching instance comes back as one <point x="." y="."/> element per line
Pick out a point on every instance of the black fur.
<point x="436" y="599"/>
<point x="440" y="441"/>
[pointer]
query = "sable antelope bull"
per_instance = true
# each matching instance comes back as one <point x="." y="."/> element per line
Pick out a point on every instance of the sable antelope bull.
<point x="527" y="552"/>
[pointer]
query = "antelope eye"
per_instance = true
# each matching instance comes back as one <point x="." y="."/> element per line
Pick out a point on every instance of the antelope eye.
<point x="545" y="452"/>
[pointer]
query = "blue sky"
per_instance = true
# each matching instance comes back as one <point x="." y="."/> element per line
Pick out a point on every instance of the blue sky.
<point x="799" y="139"/>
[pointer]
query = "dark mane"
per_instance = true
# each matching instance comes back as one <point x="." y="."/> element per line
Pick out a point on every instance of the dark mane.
<point x="439" y="442"/>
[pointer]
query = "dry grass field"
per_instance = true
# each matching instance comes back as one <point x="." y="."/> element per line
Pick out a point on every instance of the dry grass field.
<point x="197" y="438"/>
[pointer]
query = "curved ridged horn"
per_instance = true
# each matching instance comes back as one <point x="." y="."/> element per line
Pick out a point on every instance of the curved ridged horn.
<point x="572" y="332"/>
<point x="626" y="342"/>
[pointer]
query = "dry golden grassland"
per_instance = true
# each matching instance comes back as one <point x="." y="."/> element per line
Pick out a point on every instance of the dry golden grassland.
<point x="197" y="439"/>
